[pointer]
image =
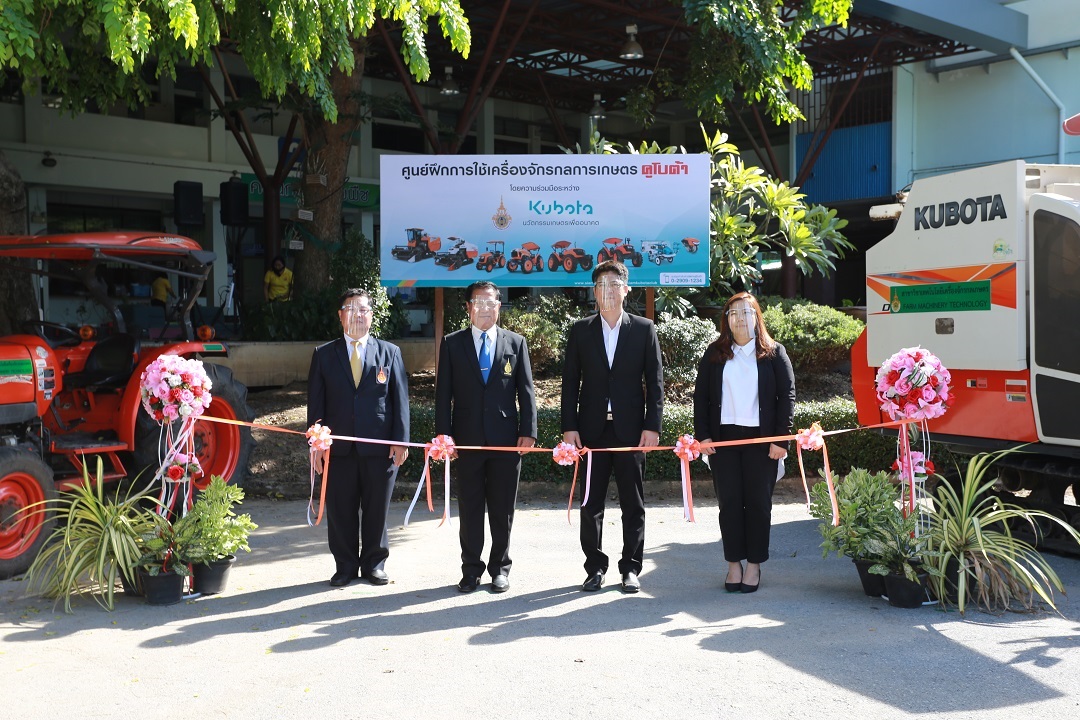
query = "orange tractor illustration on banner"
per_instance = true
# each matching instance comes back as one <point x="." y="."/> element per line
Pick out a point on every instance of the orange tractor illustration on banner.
<point x="494" y="258"/>
<point x="620" y="249"/>
<point x="526" y="258"/>
<point x="568" y="258"/>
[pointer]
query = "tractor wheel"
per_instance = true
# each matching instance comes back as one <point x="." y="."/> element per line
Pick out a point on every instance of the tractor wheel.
<point x="693" y="248"/>
<point x="670" y="258"/>
<point x="659" y="260"/>
<point x="502" y="262"/>
<point x="512" y="266"/>
<point x="553" y="262"/>
<point x="489" y="266"/>
<point x="636" y="259"/>
<point x="586" y="262"/>
<point x="601" y="257"/>
<point x="527" y="266"/>
<point x="569" y="264"/>
<point x="222" y="449"/>
<point x="25" y="481"/>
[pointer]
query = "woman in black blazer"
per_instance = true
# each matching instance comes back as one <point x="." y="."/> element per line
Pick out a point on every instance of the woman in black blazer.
<point x="745" y="389"/>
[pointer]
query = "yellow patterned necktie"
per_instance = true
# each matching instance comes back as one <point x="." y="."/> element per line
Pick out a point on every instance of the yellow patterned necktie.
<point x="356" y="363"/>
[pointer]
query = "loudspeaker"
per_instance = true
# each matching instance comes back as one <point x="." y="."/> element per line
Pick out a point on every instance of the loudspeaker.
<point x="234" y="203"/>
<point x="187" y="202"/>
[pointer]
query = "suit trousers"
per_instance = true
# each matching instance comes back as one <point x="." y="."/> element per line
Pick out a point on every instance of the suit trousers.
<point x="358" y="493"/>
<point x="629" y="468"/>
<point x="486" y="479"/>
<point x="744" y="477"/>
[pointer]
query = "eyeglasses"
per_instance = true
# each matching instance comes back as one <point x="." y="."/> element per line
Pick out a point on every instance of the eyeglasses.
<point x="613" y="285"/>
<point x="748" y="312"/>
<point x="347" y="309"/>
<point x="485" y="304"/>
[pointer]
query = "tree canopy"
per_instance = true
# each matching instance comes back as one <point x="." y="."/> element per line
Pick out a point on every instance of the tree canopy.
<point x="76" y="46"/>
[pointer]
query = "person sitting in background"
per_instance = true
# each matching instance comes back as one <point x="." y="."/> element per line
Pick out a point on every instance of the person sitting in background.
<point x="278" y="281"/>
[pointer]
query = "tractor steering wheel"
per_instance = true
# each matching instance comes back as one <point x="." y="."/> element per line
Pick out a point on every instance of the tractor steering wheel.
<point x="62" y="334"/>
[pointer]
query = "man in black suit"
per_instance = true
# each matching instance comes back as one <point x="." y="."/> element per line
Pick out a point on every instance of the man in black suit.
<point x="484" y="396"/>
<point x="612" y="396"/>
<point x="357" y="386"/>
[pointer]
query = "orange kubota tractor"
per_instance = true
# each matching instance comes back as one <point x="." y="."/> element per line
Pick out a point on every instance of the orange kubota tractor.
<point x="494" y="258"/>
<point x="526" y="258"/>
<point x="619" y="249"/>
<point x="568" y="258"/>
<point x="68" y="394"/>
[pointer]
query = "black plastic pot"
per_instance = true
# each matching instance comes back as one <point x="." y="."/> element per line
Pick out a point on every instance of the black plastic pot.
<point x="132" y="587"/>
<point x="163" y="588"/>
<point x="873" y="585"/>
<point x="904" y="593"/>
<point x="211" y="578"/>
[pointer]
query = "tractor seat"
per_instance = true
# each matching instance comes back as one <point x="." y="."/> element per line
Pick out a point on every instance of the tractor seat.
<point x="109" y="364"/>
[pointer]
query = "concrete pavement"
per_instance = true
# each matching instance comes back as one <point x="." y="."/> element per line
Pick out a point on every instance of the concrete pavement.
<point x="279" y="641"/>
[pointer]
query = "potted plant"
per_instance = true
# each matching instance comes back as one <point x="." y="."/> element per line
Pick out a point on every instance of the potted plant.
<point x="94" y="543"/>
<point x="901" y="554"/>
<point x="163" y="564"/>
<point x="216" y="534"/>
<point x="974" y="552"/>
<point x="866" y="503"/>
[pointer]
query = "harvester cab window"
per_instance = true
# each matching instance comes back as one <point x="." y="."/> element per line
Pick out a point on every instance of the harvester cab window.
<point x="1056" y="264"/>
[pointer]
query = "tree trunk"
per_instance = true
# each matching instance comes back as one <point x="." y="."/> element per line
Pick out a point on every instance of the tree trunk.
<point x="330" y="143"/>
<point x="18" y="301"/>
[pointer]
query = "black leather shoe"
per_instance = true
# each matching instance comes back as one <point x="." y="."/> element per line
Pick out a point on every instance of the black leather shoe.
<point x="594" y="582"/>
<point x="500" y="584"/>
<point x="468" y="584"/>
<point x="630" y="583"/>
<point x="376" y="577"/>
<point x="341" y="579"/>
<point x="733" y="587"/>
<point x="747" y="589"/>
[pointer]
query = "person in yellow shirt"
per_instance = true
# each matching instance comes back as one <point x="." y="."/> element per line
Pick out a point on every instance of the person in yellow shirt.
<point x="160" y="292"/>
<point x="278" y="282"/>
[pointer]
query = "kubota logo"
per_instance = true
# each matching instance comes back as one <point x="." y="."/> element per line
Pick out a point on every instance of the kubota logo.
<point x="983" y="208"/>
<point x="657" y="168"/>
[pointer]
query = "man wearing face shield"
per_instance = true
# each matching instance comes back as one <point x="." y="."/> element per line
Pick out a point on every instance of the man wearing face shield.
<point x="357" y="387"/>
<point x="484" y="396"/>
<point x="613" y="396"/>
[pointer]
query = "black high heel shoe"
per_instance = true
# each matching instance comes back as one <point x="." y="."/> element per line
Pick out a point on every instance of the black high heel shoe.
<point x="747" y="589"/>
<point x="732" y="587"/>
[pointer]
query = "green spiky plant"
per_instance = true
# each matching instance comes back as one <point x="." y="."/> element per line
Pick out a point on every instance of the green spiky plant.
<point x="970" y="535"/>
<point x="95" y="540"/>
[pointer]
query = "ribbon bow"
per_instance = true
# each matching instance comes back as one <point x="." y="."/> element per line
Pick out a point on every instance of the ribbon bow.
<point x="319" y="440"/>
<point x="567" y="454"/>
<point x="441" y="447"/>
<point x="687" y="449"/>
<point x="813" y="438"/>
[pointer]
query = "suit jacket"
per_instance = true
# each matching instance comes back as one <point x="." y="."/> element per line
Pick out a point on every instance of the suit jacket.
<point x="378" y="408"/>
<point x="634" y="384"/>
<point x="776" y="396"/>
<point x="478" y="413"/>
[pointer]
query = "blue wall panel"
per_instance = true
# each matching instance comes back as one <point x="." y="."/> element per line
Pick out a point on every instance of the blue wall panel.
<point x="855" y="164"/>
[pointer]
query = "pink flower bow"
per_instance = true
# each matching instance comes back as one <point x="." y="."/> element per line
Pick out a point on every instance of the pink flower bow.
<point x="687" y="448"/>
<point x="565" y="454"/>
<point x="812" y="438"/>
<point x="441" y="447"/>
<point x="318" y="437"/>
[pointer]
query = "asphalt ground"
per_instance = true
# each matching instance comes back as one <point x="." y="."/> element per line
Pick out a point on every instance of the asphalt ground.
<point x="280" y="641"/>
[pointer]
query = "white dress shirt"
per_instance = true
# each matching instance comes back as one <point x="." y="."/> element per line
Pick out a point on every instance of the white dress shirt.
<point x="363" y="345"/>
<point x="739" y="404"/>
<point x="611" y="341"/>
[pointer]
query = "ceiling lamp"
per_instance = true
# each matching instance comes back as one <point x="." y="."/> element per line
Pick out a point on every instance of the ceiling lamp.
<point x="597" y="111"/>
<point x="449" y="85"/>
<point x="631" y="50"/>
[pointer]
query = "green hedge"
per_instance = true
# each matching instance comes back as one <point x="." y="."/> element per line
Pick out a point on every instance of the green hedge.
<point x="816" y="337"/>
<point x="862" y="448"/>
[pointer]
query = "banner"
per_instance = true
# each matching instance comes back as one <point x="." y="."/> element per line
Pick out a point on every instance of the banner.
<point x="543" y="220"/>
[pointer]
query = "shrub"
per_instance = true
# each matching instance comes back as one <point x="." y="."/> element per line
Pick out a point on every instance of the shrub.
<point x="682" y="343"/>
<point x="816" y="337"/>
